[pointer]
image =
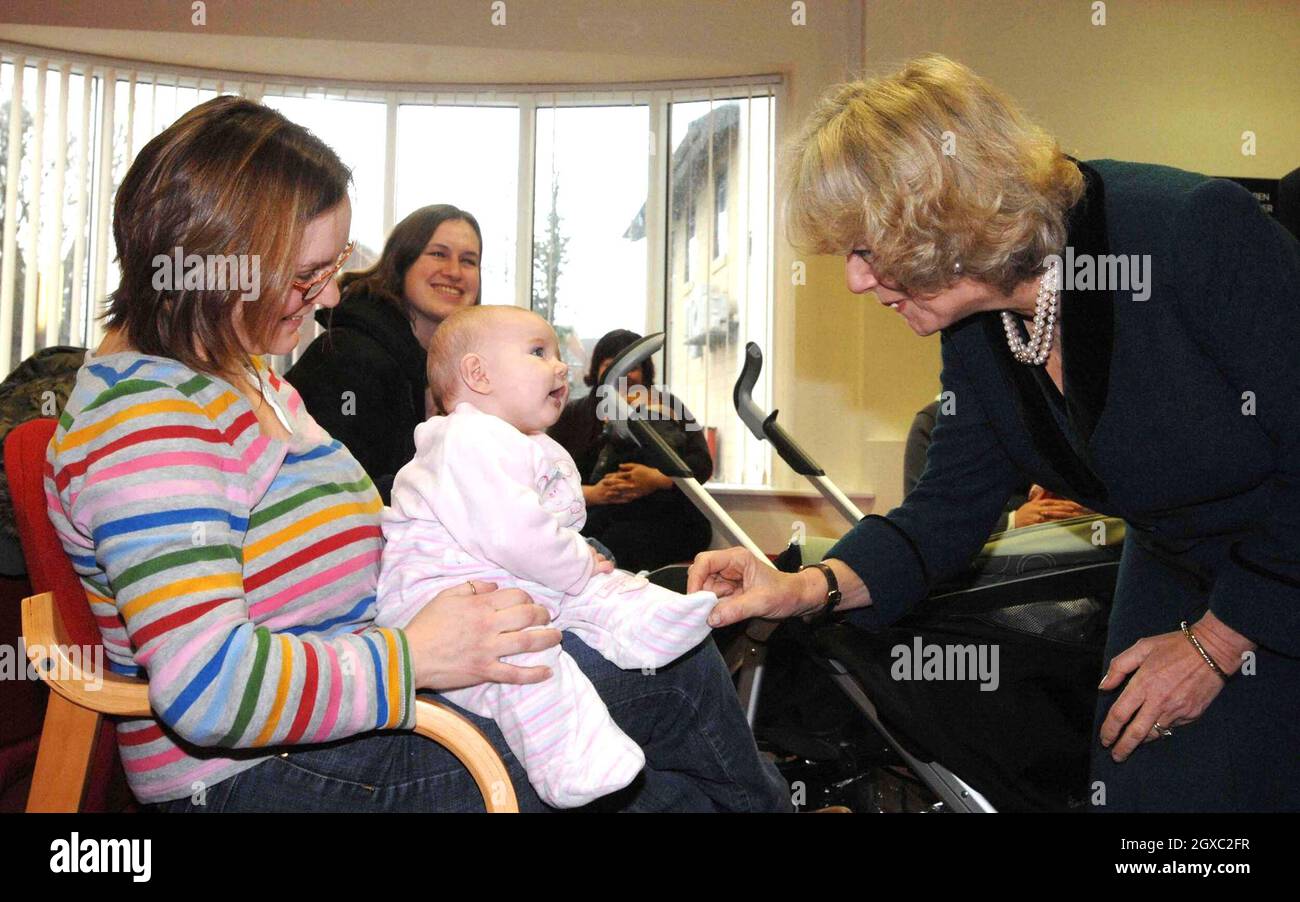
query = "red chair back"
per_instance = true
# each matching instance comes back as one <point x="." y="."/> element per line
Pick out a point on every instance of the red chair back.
<point x="50" y="570"/>
<point x="48" y="567"/>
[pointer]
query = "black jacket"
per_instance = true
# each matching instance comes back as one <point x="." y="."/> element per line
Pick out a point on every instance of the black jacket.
<point x="364" y="381"/>
<point x="1155" y="395"/>
<point x="1179" y="416"/>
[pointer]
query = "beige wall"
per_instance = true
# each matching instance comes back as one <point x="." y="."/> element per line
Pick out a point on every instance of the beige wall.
<point x="1162" y="81"/>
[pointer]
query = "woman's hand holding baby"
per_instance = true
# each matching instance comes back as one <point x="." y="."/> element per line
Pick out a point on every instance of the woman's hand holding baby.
<point x="603" y="564"/>
<point x="459" y="638"/>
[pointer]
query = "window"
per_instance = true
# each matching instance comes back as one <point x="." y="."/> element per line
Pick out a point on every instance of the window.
<point x="589" y="264"/>
<point x="630" y="207"/>
<point x="350" y="127"/>
<point x="721" y="163"/>
<point x="467" y="156"/>
<point x="43" y="260"/>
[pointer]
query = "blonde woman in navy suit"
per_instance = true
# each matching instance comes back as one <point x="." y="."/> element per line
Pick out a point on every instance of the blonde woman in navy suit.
<point x="1172" y="401"/>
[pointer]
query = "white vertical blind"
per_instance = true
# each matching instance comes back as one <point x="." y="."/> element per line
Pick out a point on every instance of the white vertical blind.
<point x="52" y="273"/>
<point x="130" y="117"/>
<point x="103" y="206"/>
<point x="81" y="214"/>
<point x="32" y="251"/>
<point x="524" y="219"/>
<point x="656" y="214"/>
<point x="390" y="163"/>
<point x="9" y="264"/>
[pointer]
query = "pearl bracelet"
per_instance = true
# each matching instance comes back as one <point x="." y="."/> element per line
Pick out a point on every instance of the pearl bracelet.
<point x="1191" y="637"/>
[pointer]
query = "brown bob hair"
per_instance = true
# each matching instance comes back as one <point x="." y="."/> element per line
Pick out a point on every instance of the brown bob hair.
<point x="229" y="177"/>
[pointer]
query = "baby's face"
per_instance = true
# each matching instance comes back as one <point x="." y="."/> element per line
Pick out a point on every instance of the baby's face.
<point x="529" y="380"/>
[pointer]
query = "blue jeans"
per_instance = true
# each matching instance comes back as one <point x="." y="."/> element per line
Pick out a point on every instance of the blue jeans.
<point x="700" y="755"/>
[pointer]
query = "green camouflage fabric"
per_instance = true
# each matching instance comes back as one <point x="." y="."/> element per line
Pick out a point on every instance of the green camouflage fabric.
<point x="38" y="387"/>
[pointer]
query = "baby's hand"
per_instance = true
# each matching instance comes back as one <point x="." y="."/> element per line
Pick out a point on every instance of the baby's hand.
<point x="603" y="564"/>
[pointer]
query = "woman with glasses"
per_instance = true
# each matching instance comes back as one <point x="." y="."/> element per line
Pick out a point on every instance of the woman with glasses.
<point x="1122" y="334"/>
<point x="230" y="547"/>
<point x="364" y="378"/>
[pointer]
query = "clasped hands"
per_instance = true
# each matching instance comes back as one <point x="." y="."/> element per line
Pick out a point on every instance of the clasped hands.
<point x="628" y="483"/>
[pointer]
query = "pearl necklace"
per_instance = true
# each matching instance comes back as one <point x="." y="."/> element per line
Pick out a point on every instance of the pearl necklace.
<point x="1041" y="332"/>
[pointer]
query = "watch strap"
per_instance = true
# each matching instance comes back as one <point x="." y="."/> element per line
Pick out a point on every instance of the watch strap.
<point x="833" y="594"/>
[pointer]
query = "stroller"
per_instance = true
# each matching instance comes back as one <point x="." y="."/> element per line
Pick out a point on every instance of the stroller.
<point x="1037" y="597"/>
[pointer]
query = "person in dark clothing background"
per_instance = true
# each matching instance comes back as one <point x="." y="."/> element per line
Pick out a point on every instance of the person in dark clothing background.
<point x="633" y="509"/>
<point x="364" y="379"/>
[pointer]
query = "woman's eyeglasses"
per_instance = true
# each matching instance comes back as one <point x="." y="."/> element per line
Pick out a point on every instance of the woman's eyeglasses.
<point x="318" y="282"/>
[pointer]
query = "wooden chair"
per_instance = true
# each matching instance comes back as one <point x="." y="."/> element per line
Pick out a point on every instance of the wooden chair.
<point x="59" y="618"/>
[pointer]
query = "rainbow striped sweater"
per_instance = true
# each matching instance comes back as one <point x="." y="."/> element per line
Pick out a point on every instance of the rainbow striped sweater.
<point x="237" y="571"/>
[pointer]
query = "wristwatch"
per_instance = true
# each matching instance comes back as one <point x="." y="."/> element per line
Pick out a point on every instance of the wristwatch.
<point x="833" y="594"/>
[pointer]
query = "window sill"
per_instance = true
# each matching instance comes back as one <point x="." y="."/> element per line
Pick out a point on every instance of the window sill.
<point x="732" y="490"/>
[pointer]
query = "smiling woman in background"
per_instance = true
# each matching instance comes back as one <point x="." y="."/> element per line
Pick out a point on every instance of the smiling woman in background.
<point x="364" y="378"/>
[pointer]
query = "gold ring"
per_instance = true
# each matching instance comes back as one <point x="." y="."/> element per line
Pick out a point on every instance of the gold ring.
<point x="1163" y="731"/>
<point x="472" y="590"/>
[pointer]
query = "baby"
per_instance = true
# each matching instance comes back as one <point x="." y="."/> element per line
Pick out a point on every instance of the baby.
<point x="489" y="497"/>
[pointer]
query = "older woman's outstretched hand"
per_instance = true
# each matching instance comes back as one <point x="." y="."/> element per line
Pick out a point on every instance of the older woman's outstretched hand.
<point x="747" y="587"/>
<point x="459" y="638"/>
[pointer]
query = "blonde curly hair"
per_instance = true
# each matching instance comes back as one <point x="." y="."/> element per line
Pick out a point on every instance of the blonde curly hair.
<point x="929" y="167"/>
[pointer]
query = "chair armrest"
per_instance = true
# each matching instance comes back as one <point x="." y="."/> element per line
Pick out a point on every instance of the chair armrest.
<point x="110" y="693"/>
<point x="464" y="740"/>
<point x="49" y="649"/>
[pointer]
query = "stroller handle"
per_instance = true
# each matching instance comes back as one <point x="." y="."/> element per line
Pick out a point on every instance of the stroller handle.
<point x="628" y="359"/>
<point x="625" y="425"/>
<point x="765" y="426"/>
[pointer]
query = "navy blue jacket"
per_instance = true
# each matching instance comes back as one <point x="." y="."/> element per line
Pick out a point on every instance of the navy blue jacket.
<point x="1181" y="414"/>
<point x="1160" y="391"/>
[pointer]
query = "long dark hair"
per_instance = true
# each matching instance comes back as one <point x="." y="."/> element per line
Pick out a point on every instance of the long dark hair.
<point x="386" y="279"/>
<point x="229" y="177"/>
